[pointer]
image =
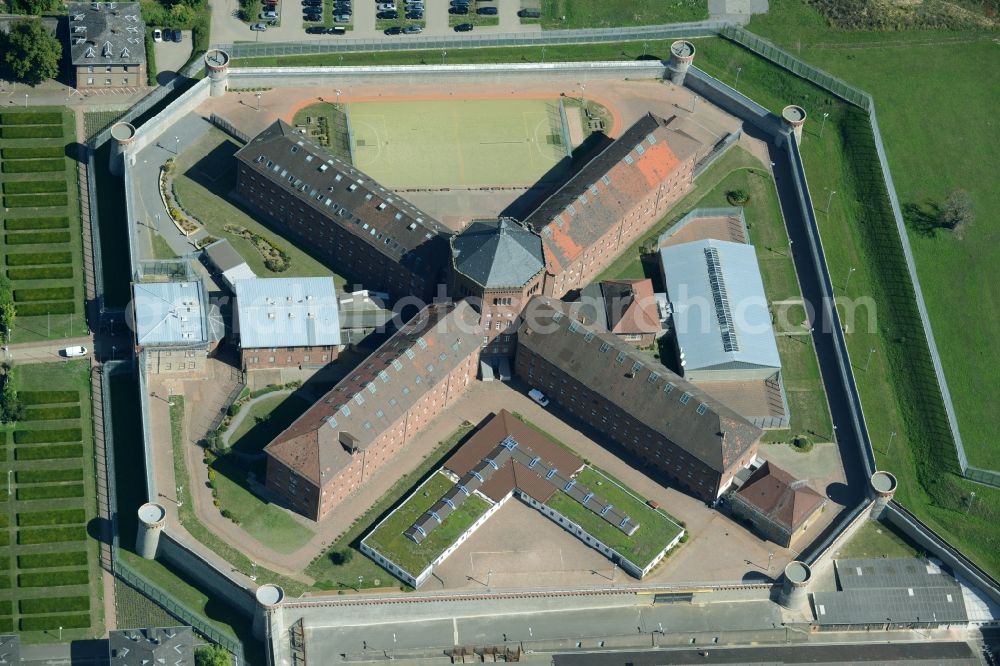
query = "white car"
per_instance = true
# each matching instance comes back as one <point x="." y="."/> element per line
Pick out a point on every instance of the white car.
<point x="538" y="397"/>
<point x="157" y="35"/>
<point x="74" y="351"/>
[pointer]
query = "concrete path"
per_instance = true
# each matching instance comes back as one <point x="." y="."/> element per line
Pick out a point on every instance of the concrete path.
<point x="47" y="351"/>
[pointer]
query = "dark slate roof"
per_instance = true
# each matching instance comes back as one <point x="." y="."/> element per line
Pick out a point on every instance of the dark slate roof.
<point x="781" y="497"/>
<point x="348" y="198"/>
<point x="891" y="605"/>
<point x="106" y="33"/>
<point x="607" y="187"/>
<point x="223" y="255"/>
<point x="380" y="390"/>
<point x="639" y="386"/>
<point x="497" y="253"/>
<point x="165" y="646"/>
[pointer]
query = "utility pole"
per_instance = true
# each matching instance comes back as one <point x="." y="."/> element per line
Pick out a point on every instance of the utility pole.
<point x="258" y="100"/>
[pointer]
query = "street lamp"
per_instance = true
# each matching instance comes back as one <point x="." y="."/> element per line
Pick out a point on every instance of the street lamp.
<point x="823" y="124"/>
<point x="972" y="498"/>
<point x="770" y="556"/>
<point x="360" y="580"/>
<point x="26" y="106"/>
<point x="694" y="103"/>
<point x="9" y="473"/>
<point x="338" y="97"/>
<point x="829" y="200"/>
<point x="177" y="143"/>
<point x="543" y="55"/>
<point x="114" y="350"/>
<point x="489" y="577"/>
<point x="889" y="448"/>
<point x="848" y="280"/>
<point x="253" y="571"/>
<point x="170" y="396"/>
<point x="258" y="100"/>
<point x="737" y="82"/>
<point x="180" y="503"/>
<point x="869" y="360"/>
<point x="443" y="54"/>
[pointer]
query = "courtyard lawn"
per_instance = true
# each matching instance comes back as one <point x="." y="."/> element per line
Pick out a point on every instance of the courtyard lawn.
<point x="265" y="419"/>
<point x="388" y="538"/>
<point x="41" y="215"/>
<point x="49" y="573"/>
<point x="874" y="539"/>
<point x="207" y="199"/>
<point x="655" y="531"/>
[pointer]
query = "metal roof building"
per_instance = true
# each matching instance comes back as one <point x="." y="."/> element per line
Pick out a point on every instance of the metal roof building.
<point x="171" y="314"/>
<point x="287" y="312"/>
<point x="228" y="262"/>
<point x="168" y="646"/>
<point x="720" y="314"/>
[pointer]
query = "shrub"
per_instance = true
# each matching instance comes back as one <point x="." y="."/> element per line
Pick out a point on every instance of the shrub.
<point x="48" y="397"/>
<point x="33" y="152"/>
<point x="53" y="578"/>
<point x="76" y="621"/>
<point x="47" y="560"/>
<point x="51" y="517"/>
<point x="52" y="413"/>
<point x="34" y="166"/>
<point x="49" y="475"/>
<point x="53" y="435"/>
<point x="738" y="197"/>
<point x="49" y="452"/>
<point x="234" y="409"/>
<point x="30" y="118"/>
<point x="55" y="491"/>
<point x="52" y="534"/>
<point x="46" y="294"/>
<point x="44" y="273"/>
<point x="35" y="309"/>
<point x="53" y="605"/>
<point x="37" y="237"/>
<point x="34" y="200"/>
<point x="342" y="556"/>
<point x="226" y="513"/>
<point x="30" y="223"/>
<point x="32" y="132"/>
<point x="34" y="186"/>
<point x="39" y="258"/>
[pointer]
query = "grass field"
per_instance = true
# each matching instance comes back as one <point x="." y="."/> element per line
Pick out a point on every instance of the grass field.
<point x="457" y="143"/>
<point x="48" y="563"/>
<point x="559" y="14"/>
<point x="875" y="539"/>
<point x="41" y="214"/>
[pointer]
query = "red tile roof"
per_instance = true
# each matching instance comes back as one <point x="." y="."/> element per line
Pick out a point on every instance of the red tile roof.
<point x="781" y="497"/>
<point x="630" y="306"/>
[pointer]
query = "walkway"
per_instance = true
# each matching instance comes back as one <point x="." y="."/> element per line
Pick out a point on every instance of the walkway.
<point x="46" y="351"/>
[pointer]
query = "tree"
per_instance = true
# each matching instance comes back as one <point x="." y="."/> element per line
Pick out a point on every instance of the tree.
<point x="957" y="213"/>
<point x="212" y="655"/>
<point x="32" y="6"/>
<point x="7" y="310"/>
<point x="33" y="54"/>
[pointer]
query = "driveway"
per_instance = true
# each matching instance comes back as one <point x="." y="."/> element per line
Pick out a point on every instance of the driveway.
<point x="171" y="56"/>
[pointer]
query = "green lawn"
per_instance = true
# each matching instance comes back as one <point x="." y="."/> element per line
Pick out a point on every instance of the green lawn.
<point x="874" y="539"/>
<point x="655" y="529"/>
<point x="57" y="564"/>
<point x="327" y="125"/>
<point x="388" y="538"/>
<point x="561" y="14"/>
<point x="58" y="317"/>
<point x="266" y="419"/>
<point x="208" y="201"/>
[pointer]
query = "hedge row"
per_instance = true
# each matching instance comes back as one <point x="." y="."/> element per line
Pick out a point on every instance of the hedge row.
<point x="31" y="132"/>
<point x="34" y="186"/>
<point x="47" y="560"/>
<point x="53" y="435"/>
<point x="48" y="475"/>
<point x="31" y="223"/>
<point x="51" y="517"/>
<point x="36" y="309"/>
<point x="34" y="200"/>
<point x="53" y="605"/>
<point x="44" y="294"/>
<point x="53" y="578"/>
<point x="48" y="397"/>
<point x="49" y="452"/>
<point x="31" y="118"/>
<point x="37" y="237"/>
<point x="45" y="622"/>
<point x="51" y="534"/>
<point x="34" y="166"/>
<point x="44" y="273"/>
<point x="50" y="491"/>
<point x="33" y="152"/>
<point x="6" y="607"/>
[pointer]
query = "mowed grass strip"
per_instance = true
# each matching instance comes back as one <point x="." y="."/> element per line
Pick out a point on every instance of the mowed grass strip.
<point x="47" y="435"/>
<point x="44" y="294"/>
<point x="51" y="517"/>
<point x="48" y="622"/>
<point x="388" y="538"/>
<point x="54" y="452"/>
<point x="47" y="397"/>
<point x="35" y="200"/>
<point x="30" y="118"/>
<point x="34" y="186"/>
<point x="53" y="605"/>
<point x="51" y="534"/>
<point x="40" y="273"/>
<point x="31" y="132"/>
<point x="32" y="152"/>
<point x="49" y="475"/>
<point x="50" y="560"/>
<point x="34" y="166"/>
<point x="50" y="491"/>
<point x="35" y="223"/>
<point x="52" y="413"/>
<point x="55" y="307"/>
<point x="39" y="258"/>
<point x="37" y="237"/>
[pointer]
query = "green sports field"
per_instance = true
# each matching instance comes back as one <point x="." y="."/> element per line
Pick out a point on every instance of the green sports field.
<point x="457" y="143"/>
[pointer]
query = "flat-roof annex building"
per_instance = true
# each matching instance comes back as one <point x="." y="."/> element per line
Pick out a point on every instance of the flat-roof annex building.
<point x="175" y="327"/>
<point x="107" y="44"/>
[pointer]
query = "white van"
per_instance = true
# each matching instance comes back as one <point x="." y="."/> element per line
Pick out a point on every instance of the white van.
<point x="538" y="397"/>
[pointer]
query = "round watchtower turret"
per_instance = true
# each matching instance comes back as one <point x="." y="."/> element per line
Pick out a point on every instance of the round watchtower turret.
<point x="883" y="485"/>
<point x="269" y="598"/>
<point x="122" y="136"/>
<point x="794" y="584"/>
<point x="152" y="519"/>
<point x="217" y="66"/>
<point x="795" y="117"/>
<point x="681" y="57"/>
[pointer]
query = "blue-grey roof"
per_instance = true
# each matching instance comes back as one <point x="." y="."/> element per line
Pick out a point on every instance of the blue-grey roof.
<point x="170" y="313"/>
<point x="719" y="307"/>
<point x="497" y="253"/>
<point x="287" y="312"/>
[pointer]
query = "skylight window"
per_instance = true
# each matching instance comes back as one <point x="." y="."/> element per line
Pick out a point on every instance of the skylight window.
<point x="702" y="408"/>
<point x="685" y="398"/>
<point x="620" y="358"/>
<point x="652" y="378"/>
<point x="628" y="159"/>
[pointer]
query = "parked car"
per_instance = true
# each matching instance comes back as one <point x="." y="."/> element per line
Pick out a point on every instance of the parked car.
<point x="312" y="3"/>
<point x="342" y="18"/>
<point x="530" y="13"/>
<point x="394" y="30"/>
<point x="487" y="11"/>
<point x="385" y="6"/>
<point x="157" y="35"/>
<point x="457" y="3"/>
<point x="336" y="30"/>
<point x="412" y="30"/>
<point x="534" y="393"/>
<point x="414" y="16"/>
<point x="312" y="17"/>
<point x="315" y="30"/>
<point x="74" y="351"/>
<point x="415" y="6"/>
<point x="458" y="10"/>
<point x="259" y="27"/>
<point x="388" y="15"/>
<point x="269" y="14"/>
<point x="178" y="36"/>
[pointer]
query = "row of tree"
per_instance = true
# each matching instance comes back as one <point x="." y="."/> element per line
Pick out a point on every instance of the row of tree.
<point x="31" y="54"/>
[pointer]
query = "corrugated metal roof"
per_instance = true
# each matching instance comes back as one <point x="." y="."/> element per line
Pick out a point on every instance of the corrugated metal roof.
<point x="719" y="306"/>
<point x="287" y="312"/>
<point x="891" y="572"/>
<point x="170" y="313"/>
<point x="890" y="606"/>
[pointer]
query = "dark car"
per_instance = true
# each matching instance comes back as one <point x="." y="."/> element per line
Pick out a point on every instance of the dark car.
<point x="530" y="13"/>
<point x="312" y="17"/>
<point x="459" y="3"/>
<point x="388" y="15"/>
<point x="177" y="36"/>
<point x="487" y="11"/>
<point x="458" y="10"/>
<point x="312" y="3"/>
<point x="336" y="30"/>
<point x="463" y="27"/>
<point x="315" y="30"/>
<point x="394" y="30"/>
<point x="414" y="16"/>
